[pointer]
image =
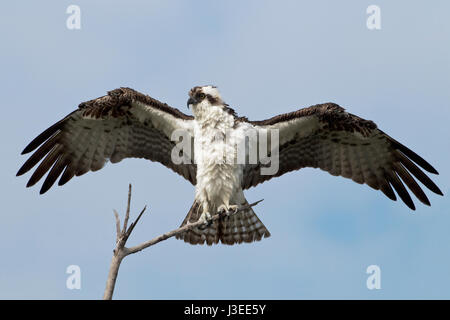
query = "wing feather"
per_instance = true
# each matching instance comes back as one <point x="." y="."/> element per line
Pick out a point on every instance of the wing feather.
<point x="54" y="173"/>
<point x="39" y="154"/>
<point x="122" y="124"/>
<point x="410" y="182"/>
<point x="327" y="137"/>
<point x="45" y="165"/>
<point x="419" y="174"/>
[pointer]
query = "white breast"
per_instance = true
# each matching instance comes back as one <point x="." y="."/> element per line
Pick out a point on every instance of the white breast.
<point x="218" y="175"/>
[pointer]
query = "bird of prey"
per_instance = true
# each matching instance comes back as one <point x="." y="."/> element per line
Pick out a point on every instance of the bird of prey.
<point x="127" y="124"/>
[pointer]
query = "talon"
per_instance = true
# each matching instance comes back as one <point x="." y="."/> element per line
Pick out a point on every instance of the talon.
<point x="222" y="211"/>
<point x="206" y="218"/>
<point x="227" y="210"/>
<point x="233" y="209"/>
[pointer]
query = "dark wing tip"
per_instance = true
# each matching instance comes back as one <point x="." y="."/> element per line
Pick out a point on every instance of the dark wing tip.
<point x="30" y="183"/>
<point x="44" y="189"/>
<point x="409" y="203"/>
<point x="434" y="171"/>
<point x="394" y="180"/>
<point x="388" y="192"/>
<point x="413" y="156"/>
<point x="30" y="147"/>
<point x="431" y="169"/>
<point x="26" y="150"/>
<point x="41" y="138"/>
<point x="417" y="172"/>
<point x="20" y="172"/>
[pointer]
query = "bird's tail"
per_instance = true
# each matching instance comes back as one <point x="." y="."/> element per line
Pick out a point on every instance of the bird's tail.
<point x="243" y="226"/>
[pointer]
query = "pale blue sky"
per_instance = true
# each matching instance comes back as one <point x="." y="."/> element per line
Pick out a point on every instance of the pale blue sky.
<point x="267" y="57"/>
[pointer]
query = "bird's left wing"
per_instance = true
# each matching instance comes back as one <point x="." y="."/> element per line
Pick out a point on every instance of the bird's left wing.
<point x="325" y="136"/>
<point x="122" y="124"/>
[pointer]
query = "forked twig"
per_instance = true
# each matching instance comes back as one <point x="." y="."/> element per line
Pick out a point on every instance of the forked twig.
<point x="123" y="234"/>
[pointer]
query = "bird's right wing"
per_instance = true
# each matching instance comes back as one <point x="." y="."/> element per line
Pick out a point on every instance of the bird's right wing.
<point x="122" y="124"/>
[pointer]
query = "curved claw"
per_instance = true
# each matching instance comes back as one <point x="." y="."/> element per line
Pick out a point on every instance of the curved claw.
<point x="206" y="217"/>
<point x="227" y="210"/>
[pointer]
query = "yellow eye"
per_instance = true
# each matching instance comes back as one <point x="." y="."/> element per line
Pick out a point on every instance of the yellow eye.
<point x="200" y="96"/>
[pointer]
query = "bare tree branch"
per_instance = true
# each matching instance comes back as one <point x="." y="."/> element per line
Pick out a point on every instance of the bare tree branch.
<point x="185" y="228"/>
<point x="117" y="225"/>
<point x="127" y="214"/>
<point x="123" y="234"/>
<point x="120" y="251"/>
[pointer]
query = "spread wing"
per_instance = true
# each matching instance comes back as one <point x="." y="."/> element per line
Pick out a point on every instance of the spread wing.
<point x="326" y="137"/>
<point x="122" y="124"/>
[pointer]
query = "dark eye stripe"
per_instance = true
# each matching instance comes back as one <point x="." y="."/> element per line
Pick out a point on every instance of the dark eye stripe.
<point x="211" y="99"/>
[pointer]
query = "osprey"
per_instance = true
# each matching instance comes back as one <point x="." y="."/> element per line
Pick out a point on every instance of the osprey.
<point x="128" y="124"/>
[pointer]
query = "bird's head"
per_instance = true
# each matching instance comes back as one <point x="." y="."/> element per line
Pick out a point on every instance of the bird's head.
<point x="201" y="98"/>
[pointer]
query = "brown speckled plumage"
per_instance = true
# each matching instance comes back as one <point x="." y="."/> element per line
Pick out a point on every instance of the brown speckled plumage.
<point x="242" y="227"/>
<point x="373" y="158"/>
<point x="102" y="129"/>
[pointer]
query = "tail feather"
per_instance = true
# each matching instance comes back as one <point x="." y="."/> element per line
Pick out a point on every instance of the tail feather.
<point x="243" y="226"/>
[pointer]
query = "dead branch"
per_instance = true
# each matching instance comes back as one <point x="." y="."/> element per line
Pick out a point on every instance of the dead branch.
<point x="123" y="234"/>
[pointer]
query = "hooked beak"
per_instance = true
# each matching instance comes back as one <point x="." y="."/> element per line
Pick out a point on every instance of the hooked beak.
<point x="191" y="101"/>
